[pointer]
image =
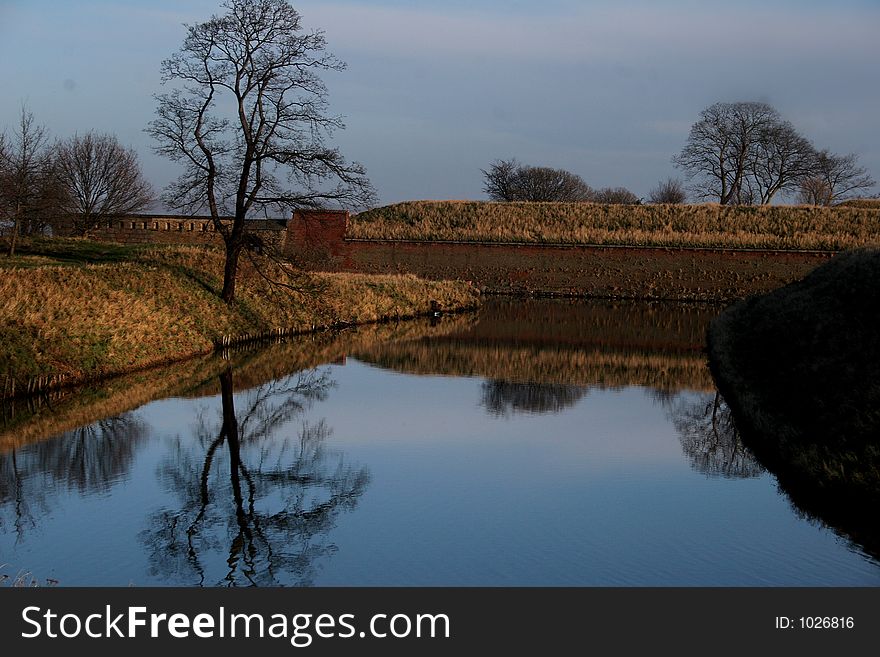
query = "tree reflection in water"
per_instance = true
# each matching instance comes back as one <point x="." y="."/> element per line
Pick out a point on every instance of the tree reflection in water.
<point x="708" y="435"/>
<point x="505" y="398"/>
<point x="87" y="460"/>
<point x="255" y="508"/>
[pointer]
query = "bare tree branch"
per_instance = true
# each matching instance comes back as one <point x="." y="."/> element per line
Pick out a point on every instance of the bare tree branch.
<point x="248" y="121"/>
<point x="101" y="178"/>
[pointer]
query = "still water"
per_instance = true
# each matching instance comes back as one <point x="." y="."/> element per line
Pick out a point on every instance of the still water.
<point x="532" y="443"/>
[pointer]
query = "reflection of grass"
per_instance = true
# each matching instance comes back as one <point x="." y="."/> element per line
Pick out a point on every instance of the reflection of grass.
<point x="105" y="309"/>
<point x="568" y="366"/>
<point x="706" y="225"/>
<point x="26" y="421"/>
<point x="23" y="579"/>
<point x="581" y="343"/>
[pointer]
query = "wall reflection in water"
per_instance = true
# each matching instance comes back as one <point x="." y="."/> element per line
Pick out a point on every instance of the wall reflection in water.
<point x="255" y="502"/>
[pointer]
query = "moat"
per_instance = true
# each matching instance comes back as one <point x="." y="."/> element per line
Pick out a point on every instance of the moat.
<point x="542" y="442"/>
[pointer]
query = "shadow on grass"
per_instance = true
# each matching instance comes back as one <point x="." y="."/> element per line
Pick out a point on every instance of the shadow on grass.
<point x="80" y="252"/>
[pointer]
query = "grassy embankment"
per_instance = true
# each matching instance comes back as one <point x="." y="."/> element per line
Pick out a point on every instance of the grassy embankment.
<point x="73" y="311"/>
<point x="800" y="368"/>
<point x="803" y="361"/>
<point x="705" y="225"/>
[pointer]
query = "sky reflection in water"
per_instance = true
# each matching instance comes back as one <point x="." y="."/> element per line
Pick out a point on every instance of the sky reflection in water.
<point x="539" y="443"/>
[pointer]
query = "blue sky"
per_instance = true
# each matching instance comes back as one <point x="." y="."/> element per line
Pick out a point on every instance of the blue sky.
<point x="434" y="91"/>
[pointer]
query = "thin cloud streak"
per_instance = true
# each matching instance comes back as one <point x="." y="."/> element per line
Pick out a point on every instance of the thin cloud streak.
<point x="624" y="33"/>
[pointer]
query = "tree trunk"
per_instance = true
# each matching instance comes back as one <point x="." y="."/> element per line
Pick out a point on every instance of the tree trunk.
<point x="233" y="251"/>
<point x="230" y="423"/>
<point x="14" y="236"/>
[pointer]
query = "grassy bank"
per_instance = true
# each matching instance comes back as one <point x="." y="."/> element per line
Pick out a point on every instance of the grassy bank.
<point x="706" y="225"/>
<point x="800" y="368"/>
<point x="803" y="362"/>
<point x="74" y="311"/>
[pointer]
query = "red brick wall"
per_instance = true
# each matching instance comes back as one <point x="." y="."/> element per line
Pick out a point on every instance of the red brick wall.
<point x="318" y="242"/>
<point x="595" y="271"/>
<point x="314" y="238"/>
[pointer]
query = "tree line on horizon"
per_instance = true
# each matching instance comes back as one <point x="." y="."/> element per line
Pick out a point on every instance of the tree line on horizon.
<point x="741" y="153"/>
<point x="70" y="184"/>
<point x="246" y="115"/>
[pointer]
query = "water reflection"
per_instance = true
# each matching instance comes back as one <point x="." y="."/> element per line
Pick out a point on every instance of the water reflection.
<point x="507" y="398"/>
<point x="238" y="481"/>
<point x="255" y="502"/>
<point x="601" y="344"/>
<point x="86" y="460"/>
<point x="708" y="435"/>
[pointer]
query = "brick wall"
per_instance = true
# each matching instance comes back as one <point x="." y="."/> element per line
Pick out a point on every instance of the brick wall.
<point x="315" y="238"/>
<point x="176" y="229"/>
<point x="318" y="242"/>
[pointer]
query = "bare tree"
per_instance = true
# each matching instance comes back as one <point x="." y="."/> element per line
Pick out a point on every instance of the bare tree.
<point x="669" y="191"/>
<point x="500" y="180"/>
<point x="813" y="190"/>
<point x="780" y="159"/>
<point x="721" y="147"/>
<point x="249" y="121"/>
<point x="101" y="178"/>
<point x="508" y="180"/>
<point x="709" y="437"/>
<point x="257" y="500"/>
<point x="28" y="194"/>
<point x="834" y="178"/>
<point x="617" y="196"/>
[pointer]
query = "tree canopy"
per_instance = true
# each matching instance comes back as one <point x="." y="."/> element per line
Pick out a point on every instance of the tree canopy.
<point x="745" y="153"/>
<point x="508" y="180"/>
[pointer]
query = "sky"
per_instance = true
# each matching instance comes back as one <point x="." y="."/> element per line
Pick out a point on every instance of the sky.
<point x="434" y="91"/>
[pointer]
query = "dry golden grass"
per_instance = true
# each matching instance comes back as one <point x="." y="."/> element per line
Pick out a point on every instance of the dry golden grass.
<point x="869" y="203"/>
<point x="155" y="306"/>
<point x="706" y="225"/>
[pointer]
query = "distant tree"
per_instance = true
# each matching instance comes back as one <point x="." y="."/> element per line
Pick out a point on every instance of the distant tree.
<point x="100" y="178"/>
<point x="813" y="190"/>
<point x="508" y="180"/>
<point x="669" y="191"/>
<point x="500" y="180"/>
<point x="721" y="149"/>
<point x="249" y="121"/>
<point x="834" y="178"/>
<point x="779" y="160"/>
<point x="617" y="196"/>
<point x="28" y="192"/>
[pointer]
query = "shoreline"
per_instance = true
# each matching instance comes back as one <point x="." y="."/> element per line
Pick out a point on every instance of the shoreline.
<point x="76" y="312"/>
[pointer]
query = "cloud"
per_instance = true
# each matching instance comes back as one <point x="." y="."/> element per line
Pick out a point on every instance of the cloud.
<point x="623" y="33"/>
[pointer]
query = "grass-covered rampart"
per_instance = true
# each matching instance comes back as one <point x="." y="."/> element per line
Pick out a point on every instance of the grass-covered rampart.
<point x="72" y="310"/>
<point x="704" y="225"/>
